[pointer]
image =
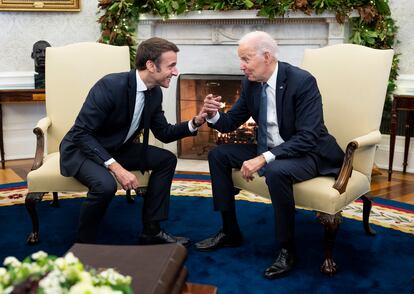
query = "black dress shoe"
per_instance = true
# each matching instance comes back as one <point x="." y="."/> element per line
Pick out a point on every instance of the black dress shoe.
<point x="162" y="238"/>
<point x="219" y="240"/>
<point x="283" y="264"/>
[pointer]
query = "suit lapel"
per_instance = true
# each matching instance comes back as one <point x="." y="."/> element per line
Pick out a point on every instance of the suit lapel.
<point x="280" y="91"/>
<point x="132" y="93"/>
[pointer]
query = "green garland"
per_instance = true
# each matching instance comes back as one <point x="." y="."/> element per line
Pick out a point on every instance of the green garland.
<point x="373" y="28"/>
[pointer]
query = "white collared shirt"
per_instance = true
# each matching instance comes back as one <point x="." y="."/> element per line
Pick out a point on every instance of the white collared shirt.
<point x="273" y="136"/>
<point x="138" y="108"/>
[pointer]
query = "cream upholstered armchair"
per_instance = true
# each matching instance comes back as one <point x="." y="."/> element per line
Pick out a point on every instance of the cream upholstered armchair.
<point x="353" y="81"/>
<point x="70" y="73"/>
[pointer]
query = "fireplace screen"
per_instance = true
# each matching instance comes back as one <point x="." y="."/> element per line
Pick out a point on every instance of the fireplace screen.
<point x="191" y="91"/>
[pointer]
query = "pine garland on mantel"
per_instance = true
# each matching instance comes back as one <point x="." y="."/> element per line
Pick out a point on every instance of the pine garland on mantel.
<point x="373" y="27"/>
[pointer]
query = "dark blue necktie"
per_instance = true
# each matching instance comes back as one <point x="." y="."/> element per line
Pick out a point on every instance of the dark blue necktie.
<point x="262" y="131"/>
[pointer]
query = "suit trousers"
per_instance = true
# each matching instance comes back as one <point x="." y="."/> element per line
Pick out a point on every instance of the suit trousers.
<point x="280" y="176"/>
<point x="102" y="186"/>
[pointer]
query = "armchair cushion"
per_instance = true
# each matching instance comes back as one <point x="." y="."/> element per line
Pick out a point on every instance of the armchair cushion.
<point x="315" y="194"/>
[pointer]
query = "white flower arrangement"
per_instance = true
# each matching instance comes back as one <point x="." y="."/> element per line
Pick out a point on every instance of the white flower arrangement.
<point x="44" y="274"/>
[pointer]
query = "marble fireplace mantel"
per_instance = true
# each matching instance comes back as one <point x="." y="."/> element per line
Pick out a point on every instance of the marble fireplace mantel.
<point x="208" y="41"/>
<point x="226" y="27"/>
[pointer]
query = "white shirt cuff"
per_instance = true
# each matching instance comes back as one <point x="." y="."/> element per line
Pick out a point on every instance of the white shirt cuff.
<point x="269" y="156"/>
<point x="109" y="162"/>
<point x="190" y="127"/>
<point x="214" y="119"/>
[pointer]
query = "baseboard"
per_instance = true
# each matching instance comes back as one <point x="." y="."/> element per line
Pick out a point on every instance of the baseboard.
<point x="382" y="154"/>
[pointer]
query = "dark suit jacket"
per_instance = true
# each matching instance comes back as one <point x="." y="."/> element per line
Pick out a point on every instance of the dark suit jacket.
<point x="299" y="115"/>
<point x="105" y="118"/>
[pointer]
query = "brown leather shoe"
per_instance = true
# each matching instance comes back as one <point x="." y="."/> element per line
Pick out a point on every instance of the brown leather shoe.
<point x="283" y="264"/>
<point x="219" y="240"/>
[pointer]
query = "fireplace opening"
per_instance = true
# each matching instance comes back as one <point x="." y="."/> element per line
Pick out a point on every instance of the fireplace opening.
<point x="191" y="91"/>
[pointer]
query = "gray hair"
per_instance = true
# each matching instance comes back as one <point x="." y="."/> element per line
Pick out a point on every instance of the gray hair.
<point x="262" y="42"/>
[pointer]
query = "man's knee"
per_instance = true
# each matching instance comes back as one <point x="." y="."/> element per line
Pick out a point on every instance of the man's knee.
<point x="218" y="153"/>
<point x="170" y="158"/>
<point x="107" y="188"/>
<point x="276" y="171"/>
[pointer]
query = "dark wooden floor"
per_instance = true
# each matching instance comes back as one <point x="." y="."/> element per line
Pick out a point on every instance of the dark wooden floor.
<point x="400" y="188"/>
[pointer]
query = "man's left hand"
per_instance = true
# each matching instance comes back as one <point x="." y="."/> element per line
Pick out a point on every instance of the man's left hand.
<point x="251" y="166"/>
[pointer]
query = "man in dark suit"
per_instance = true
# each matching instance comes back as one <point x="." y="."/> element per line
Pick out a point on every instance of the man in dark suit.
<point x="100" y="148"/>
<point x="293" y="144"/>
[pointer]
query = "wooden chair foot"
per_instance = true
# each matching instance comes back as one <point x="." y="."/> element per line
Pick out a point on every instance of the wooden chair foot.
<point x="366" y="211"/>
<point x="331" y="225"/>
<point x="129" y="197"/>
<point x="30" y="202"/>
<point x="55" y="202"/>
<point x="33" y="238"/>
<point x="329" y="267"/>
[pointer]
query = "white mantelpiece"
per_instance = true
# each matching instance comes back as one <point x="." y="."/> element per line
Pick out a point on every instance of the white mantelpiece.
<point x="208" y="41"/>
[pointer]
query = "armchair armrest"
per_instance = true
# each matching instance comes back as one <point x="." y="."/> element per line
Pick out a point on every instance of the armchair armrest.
<point x="369" y="139"/>
<point x="39" y="131"/>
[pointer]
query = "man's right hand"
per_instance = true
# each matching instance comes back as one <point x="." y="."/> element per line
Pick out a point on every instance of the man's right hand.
<point x="125" y="178"/>
<point x="211" y="105"/>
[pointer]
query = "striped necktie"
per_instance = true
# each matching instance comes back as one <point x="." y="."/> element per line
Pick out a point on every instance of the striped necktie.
<point x="262" y="131"/>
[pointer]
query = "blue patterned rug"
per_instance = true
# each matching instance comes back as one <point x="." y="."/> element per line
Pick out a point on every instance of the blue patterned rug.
<point x="381" y="264"/>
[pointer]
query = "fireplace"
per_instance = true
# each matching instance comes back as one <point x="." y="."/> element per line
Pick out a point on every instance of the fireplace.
<point x="191" y="90"/>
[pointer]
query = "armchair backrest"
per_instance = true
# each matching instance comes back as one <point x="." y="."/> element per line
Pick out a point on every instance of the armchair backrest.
<point x="353" y="81"/>
<point x="71" y="71"/>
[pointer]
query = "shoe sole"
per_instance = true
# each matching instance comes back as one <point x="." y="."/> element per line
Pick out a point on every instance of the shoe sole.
<point x="217" y="247"/>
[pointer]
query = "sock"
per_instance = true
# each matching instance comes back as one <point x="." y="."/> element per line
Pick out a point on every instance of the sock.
<point x="230" y="224"/>
<point x="151" y="228"/>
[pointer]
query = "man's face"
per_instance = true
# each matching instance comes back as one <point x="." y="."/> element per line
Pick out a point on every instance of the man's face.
<point x="252" y="63"/>
<point x="166" y="69"/>
<point x="39" y="52"/>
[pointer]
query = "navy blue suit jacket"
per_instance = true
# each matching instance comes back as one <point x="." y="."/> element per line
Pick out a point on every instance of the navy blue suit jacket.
<point x="105" y="118"/>
<point x="299" y="115"/>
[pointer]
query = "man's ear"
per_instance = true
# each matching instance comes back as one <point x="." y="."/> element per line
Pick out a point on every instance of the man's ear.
<point x="150" y="66"/>
<point x="268" y="57"/>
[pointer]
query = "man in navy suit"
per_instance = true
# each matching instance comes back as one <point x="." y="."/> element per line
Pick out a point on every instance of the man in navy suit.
<point x="101" y="148"/>
<point x="293" y="144"/>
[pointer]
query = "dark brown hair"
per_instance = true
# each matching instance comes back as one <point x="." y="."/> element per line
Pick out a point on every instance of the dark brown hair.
<point x="152" y="49"/>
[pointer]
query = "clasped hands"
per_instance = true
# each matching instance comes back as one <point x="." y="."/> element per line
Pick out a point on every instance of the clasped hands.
<point x="210" y="108"/>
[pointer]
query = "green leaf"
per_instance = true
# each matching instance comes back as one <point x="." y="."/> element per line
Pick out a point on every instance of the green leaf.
<point x="248" y="3"/>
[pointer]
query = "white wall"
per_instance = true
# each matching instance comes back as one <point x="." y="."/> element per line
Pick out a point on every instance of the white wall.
<point x="19" y="30"/>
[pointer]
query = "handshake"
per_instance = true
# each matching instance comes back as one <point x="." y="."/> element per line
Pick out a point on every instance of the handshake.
<point x="210" y="108"/>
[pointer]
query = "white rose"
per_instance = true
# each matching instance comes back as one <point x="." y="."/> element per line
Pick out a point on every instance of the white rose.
<point x="70" y="258"/>
<point x="82" y="288"/>
<point x="12" y="261"/>
<point x="106" y="290"/>
<point x="39" y="255"/>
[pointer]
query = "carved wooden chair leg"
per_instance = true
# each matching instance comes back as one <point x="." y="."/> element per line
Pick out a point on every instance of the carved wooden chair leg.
<point x="30" y="202"/>
<point x="331" y="225"/>
<point x="55" y="201"/>
<point x="129" y="197"/>
<point x="367" y="204"/>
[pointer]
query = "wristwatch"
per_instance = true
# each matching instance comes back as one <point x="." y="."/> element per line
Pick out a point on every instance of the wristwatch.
<point x="195" y="125"/>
